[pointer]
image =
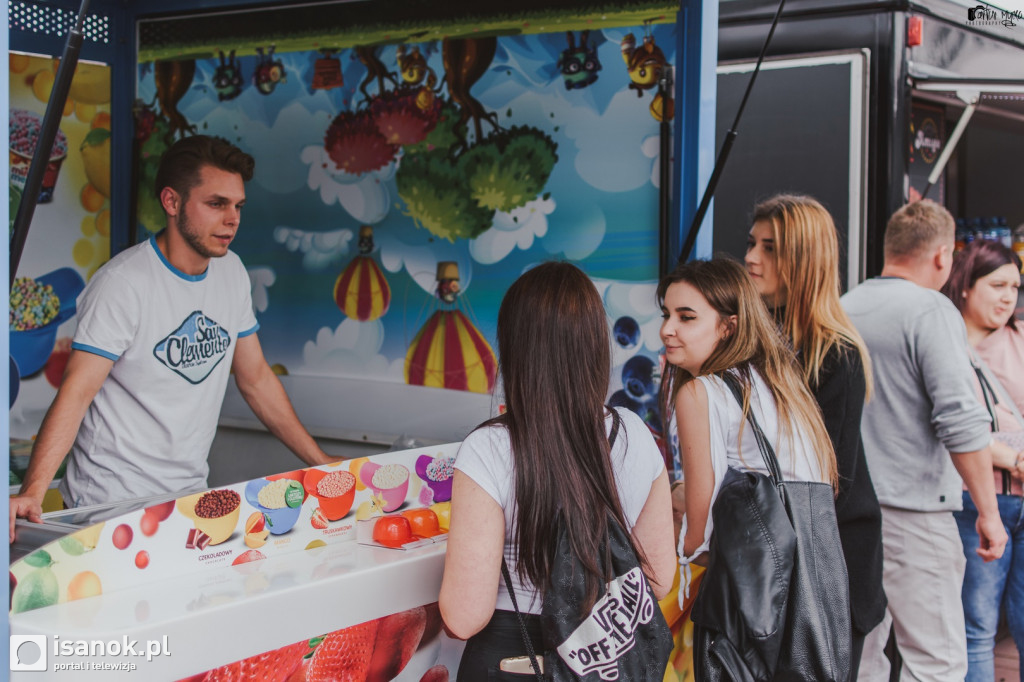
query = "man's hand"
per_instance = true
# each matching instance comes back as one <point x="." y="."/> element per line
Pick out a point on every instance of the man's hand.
<point x="25" y="507"/>
<point x="992" y="537"/>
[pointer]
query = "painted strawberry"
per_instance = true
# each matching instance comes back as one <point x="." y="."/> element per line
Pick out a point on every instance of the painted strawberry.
<point x="397" y="638"/>
<point x="434" y="624"/>
<point x="300" y="673"/>
<point x="438" y="673"/>
<point x="271" y="666"/>
<point x="344" y="655"/>
<point x="318" y="520"/>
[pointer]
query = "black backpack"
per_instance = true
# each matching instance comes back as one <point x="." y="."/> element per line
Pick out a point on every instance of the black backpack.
<point x="774" y="601"/>
<point x="624" y="636"/>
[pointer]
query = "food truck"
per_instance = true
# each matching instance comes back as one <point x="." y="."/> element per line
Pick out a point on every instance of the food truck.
<point x="860" y="104"/>
<point x="411" y="161"/>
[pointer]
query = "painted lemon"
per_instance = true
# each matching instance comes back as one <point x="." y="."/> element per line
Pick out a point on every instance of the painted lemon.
<point x="91" y="84"/>
<point x="89" y="537"/>
<point x="85" y="112"/>
<point x="95" y="151"/>
<point x="18" y="62"/>
<point x="42" y="84"/>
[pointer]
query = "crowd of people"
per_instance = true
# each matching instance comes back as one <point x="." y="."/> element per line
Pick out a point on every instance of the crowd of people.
<point x="905" y="395"/>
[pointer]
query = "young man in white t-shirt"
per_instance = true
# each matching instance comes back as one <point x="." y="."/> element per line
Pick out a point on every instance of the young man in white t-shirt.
<point x="160" y="327"/>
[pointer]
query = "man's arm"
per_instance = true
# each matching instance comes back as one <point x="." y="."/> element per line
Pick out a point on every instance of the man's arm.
<point x="266" y="396"/>
<point x="975" y="469"/>
<point x="84" y="375"/>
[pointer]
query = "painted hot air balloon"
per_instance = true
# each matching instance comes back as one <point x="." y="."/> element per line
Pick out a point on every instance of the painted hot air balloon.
<point x="449" y="351"/>
<point x="361" y="291"/>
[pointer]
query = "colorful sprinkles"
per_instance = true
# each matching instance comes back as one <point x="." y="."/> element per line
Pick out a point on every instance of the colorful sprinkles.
<point x="441" y="469"/>
<point x="33" y="305"/>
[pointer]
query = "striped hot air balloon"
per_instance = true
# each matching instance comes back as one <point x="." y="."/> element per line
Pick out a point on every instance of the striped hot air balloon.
<point x="361" y="291"/>
<point x="450" y="352"/>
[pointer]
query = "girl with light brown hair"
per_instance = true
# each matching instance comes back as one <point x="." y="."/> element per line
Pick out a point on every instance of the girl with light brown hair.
<point x="715" y="323"/>
<point x="793" y="259"/>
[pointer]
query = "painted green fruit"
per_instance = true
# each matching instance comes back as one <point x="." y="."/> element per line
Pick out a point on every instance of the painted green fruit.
<point x="39" y="588"/>
<point x="72" y="545"/>
<point x="39" y="559"/>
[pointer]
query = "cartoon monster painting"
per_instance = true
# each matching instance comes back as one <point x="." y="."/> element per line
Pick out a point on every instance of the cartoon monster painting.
<point x="227" y="79"/>
<point x="269" y="72"/>
<point x="413" y="67"/>
<point x="643" y="63"/>
<point x="579" y="64"/>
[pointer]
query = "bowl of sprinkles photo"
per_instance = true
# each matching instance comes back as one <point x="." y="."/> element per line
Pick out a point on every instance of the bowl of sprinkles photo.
<point x="38" y="307"/>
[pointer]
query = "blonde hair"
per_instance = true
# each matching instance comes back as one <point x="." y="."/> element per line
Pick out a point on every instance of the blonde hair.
<point x="916" y="228"/>
<point x="807" y="252"/>
<point x="754" y="342"/>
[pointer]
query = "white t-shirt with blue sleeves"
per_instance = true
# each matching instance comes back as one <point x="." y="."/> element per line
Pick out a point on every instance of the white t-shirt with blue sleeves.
<point x="172" y="338"/>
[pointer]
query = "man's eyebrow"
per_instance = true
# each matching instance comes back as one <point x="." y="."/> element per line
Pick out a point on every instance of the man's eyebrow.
<point x="221" y="197"/>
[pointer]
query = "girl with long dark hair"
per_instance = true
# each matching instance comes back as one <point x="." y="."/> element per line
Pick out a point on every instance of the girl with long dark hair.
<point x="793" y="259"/>
<point x="548" y="455"/>
<point x="983" y="285"/>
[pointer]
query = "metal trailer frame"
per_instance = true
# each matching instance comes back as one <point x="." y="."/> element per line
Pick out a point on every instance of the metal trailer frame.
<point x="954" y="54"/>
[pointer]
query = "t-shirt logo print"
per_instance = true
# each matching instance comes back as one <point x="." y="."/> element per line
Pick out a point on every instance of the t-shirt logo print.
<point x="194" y="348"/>
<point x="610" y="630"/>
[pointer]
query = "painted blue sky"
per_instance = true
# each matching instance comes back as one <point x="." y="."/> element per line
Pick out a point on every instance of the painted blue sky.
<point x="302" y="217"/>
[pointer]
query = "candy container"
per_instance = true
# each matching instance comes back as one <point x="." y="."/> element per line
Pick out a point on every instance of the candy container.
<point x="390" y="482"/>
<point x="437" y="473"/>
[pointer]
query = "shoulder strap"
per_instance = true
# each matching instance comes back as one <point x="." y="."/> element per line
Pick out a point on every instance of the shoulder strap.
<point x="994" y="392"/>
<point x="767" y="452"/>
<point x="616" y="421"/>
<point x="519" y="617"/>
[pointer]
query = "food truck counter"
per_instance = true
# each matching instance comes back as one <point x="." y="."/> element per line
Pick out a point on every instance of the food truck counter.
<point x="176" y="588"/>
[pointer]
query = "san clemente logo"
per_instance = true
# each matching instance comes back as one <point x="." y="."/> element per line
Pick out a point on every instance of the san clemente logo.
<point x="983" y="15"/>
<point x="194" y="348"/>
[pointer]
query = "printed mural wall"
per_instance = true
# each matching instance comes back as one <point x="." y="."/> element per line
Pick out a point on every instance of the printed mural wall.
<point x="400" y="189"/>
<point x="70" y="232"/>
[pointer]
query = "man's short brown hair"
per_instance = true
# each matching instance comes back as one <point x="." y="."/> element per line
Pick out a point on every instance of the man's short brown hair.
<point x="916" y="228"/>
<point x="182" y="163"/>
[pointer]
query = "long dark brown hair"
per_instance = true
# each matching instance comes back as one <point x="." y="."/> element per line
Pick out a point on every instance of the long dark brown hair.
<point x="555" y="360"/>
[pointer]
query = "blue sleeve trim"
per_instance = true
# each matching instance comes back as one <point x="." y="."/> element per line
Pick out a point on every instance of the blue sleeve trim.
<point x="249" y="332"/>
<point x="95" y="351"/>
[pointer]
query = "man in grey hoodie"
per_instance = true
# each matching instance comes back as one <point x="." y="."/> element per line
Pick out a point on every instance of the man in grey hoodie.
<point x="926" y="437"/>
